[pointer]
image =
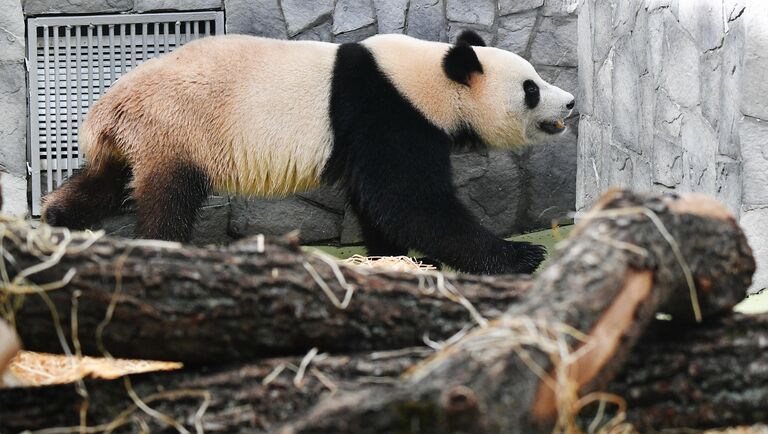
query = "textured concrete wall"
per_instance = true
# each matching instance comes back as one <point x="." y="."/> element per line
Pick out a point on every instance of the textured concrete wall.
<point x="754" y="136"/>
<point x="674" y="98"/>
<point x="659" y="80"/>
<point x="13" y="109"/>
<point x="508" y="191"/>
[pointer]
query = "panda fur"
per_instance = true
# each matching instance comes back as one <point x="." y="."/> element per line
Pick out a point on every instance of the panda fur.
<point x="268" y="118"/>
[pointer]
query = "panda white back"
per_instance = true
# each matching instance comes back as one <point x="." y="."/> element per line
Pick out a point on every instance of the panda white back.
<point x="252" y="112"/>
<point x="283" y="134"/>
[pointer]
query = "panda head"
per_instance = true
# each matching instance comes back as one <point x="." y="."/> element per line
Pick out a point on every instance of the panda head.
<point x="501" y="98"/>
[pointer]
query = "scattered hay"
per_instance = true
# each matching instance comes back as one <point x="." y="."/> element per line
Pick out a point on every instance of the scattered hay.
<point x="757" y="429"/>
<point x="389" y="263"/>
<point x="38" y="369"/>
<point x="521" y="335"/>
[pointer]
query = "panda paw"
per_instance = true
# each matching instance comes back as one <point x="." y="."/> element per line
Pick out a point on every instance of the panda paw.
<point x="525" y="257"/>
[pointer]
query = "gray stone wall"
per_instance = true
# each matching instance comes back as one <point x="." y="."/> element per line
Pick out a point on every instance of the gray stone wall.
<point x="674" y="99"/>
<point x="13" y="109"/>
<point x="754" y="136"/>
<point x="659" y="80"/>
<point x="508" y="191"/>
<point x="84" y="7"/>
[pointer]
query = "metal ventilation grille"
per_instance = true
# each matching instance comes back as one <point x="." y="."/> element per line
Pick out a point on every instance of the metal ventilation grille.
<point x="73" y="61"/>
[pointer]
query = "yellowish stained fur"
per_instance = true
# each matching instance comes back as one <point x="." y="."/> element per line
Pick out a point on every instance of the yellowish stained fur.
<point x="252" y="112"/>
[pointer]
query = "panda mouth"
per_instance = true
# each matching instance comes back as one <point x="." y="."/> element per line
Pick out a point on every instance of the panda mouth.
<point x="555" y="127"/>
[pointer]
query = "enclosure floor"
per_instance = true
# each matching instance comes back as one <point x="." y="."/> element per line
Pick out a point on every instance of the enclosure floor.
<point x="548" y="238"/>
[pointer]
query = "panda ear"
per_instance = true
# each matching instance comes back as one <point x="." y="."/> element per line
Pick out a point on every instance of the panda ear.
<point x="461" y="62"/>
<point x="470" y="37"/>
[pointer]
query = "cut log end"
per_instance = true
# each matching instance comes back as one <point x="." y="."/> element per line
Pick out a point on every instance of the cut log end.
<point x="602" y="343"/>
<point x="700" y="205"/>
<point x="9" y="347"/>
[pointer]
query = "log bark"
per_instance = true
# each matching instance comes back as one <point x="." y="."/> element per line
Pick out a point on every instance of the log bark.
<point x="251" y="300"/>
<point x="608" y="282"/>
<point x="715" y="375"/>
<point x="711" y="375"/>
<point x="239" y="401"/>
<point x="257" y="299"/>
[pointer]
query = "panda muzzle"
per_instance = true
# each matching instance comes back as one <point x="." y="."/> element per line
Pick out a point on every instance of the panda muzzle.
<point x="555" y="127"/>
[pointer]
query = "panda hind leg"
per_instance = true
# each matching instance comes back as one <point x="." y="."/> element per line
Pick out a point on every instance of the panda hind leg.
<point x="168" y="200"/>
<point x="88" y="196"/>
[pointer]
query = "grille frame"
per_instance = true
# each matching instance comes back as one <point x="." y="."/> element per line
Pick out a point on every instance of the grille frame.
<point x="72" y="61"/>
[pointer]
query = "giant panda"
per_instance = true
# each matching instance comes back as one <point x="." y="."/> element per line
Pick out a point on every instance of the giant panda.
<point x="263" y="117"/>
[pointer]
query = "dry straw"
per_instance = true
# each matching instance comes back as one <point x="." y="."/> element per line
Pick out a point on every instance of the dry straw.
<point x="520" y="334"/>
<point x="50" y="245"/>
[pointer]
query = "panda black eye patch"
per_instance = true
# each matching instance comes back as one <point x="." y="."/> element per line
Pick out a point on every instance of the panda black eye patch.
<point x="531" y="93"/>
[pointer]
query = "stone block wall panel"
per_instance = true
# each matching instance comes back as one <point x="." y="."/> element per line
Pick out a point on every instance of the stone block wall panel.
<point x="79" y="7"/>
<point x="213" y="226"/>
<point x="255" y="17"/>
<point x="480" y="12"/>
<point x="390" y="15"/>
<point x="142" y="6"/>
<point x="491" y="185"/>
<point x="654" y="75"/>
<point x="278" y="217"/>
<point x="301" y="14"/>
<point x="509" y="191"/>
<point x="554" y="42"/>
<point x="550" y="170"/>
<point x="349" y="15"/>
<point x="674" y="99"/>
<point x="507" y="7"/>
<point x="85" y="7"/>
<point x="514" y="33"/>
<point x="12" y="46"/>
<point x="356" y="35"/>
<point x="753" y="131"/>
<point x="13" y="109"/>
<point x="753" y="221"/>
<point x="426" y="20"/>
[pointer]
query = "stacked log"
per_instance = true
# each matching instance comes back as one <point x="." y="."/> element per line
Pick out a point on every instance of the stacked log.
<point x="277" y="340"/>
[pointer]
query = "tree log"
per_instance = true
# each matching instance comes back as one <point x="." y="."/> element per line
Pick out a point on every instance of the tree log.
<point x="715" y="375"/>
<point x="240" y="402"/>
<point x="625" y="262"/>
<point x="628" y="259"/>
<point x="711" y="375"/>
<point x="251" y="300"/>
<point x="257" y="299"/>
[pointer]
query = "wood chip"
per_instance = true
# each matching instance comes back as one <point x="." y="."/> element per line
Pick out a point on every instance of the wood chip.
<point x="39" y="369"/>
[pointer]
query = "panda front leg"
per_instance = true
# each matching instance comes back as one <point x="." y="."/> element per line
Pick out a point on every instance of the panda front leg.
<point x="436" y="223"/>
<point x="168" y="200"/>
<point x="376" y="242"/>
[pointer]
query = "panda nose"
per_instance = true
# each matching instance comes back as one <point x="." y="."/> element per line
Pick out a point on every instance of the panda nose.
<point x="571" y="104"/>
